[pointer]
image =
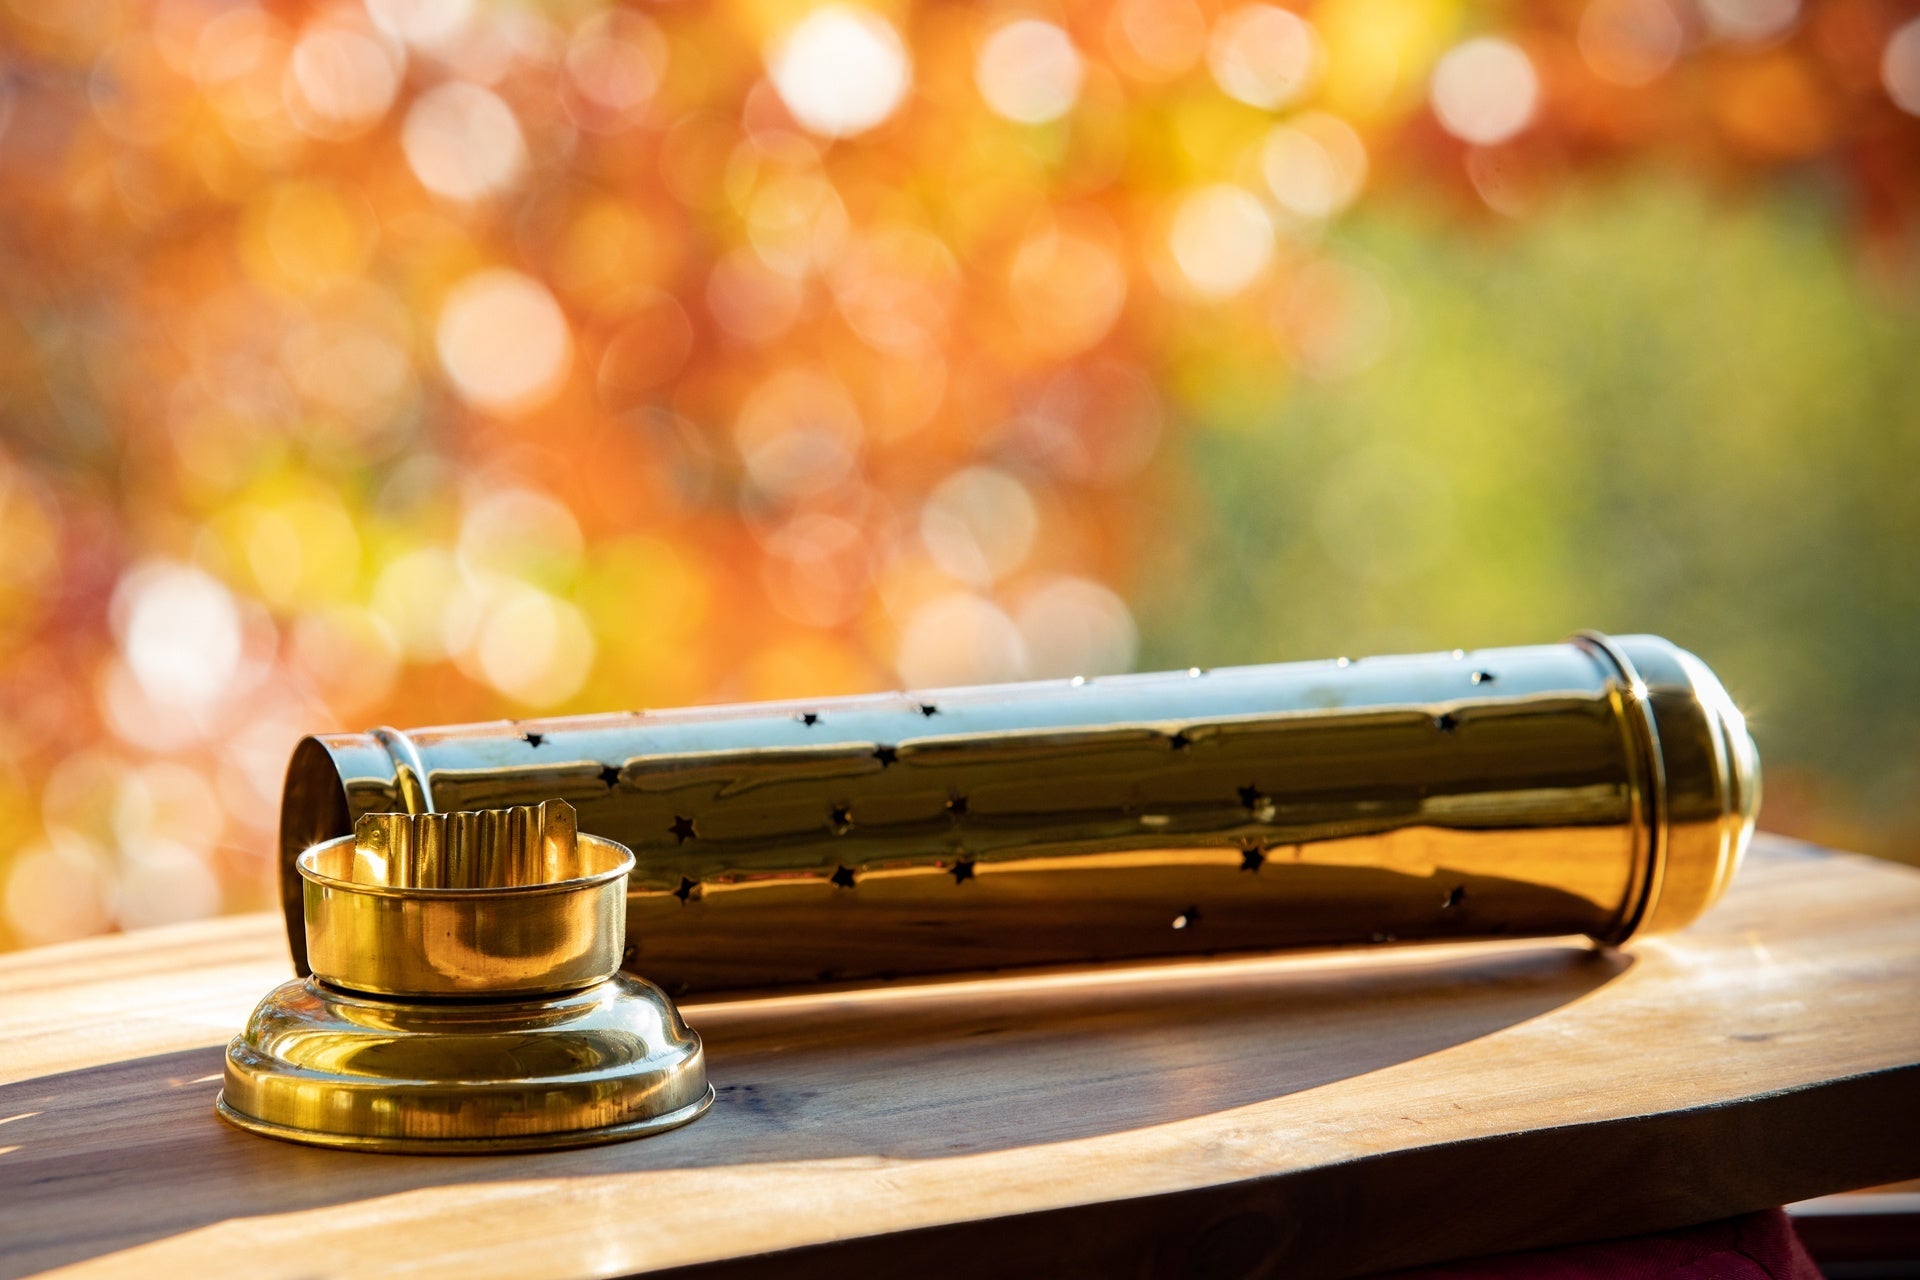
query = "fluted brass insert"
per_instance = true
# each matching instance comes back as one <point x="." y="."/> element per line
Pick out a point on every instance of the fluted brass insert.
<point x="465" y="995"/>
<point x="474" y="849"/>
<point x="1605" y="786"/>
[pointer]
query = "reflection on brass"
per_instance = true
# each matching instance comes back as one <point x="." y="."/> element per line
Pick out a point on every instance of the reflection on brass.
<point x="1600" y="787"/>
<point x="464" y="996"/>
<point x="494" y="902"/>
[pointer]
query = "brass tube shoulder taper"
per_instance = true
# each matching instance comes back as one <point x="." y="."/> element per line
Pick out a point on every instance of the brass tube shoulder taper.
<point x="1702" y="777"/>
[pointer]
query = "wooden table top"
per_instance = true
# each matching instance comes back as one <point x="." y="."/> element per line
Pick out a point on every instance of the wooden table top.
<point x="1328" y="1114"/>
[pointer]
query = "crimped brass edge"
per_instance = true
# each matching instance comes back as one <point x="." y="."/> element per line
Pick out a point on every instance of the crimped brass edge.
<point x="309" y="872"/>
<point x="558" y="1140"/>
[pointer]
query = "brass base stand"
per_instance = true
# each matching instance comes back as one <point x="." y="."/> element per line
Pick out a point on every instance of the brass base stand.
<point x="329" y="1067"/>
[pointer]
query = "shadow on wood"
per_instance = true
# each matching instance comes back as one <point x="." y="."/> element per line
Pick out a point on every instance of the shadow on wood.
<point x="914" y="1073"/>
<point x="1413" y="1207"/>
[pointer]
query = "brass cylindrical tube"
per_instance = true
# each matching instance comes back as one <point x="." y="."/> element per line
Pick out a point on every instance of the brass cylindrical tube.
<point x="1598" y="787"/>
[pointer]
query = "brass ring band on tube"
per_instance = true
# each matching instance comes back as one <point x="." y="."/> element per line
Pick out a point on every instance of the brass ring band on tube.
<point x="1650" y="811"/>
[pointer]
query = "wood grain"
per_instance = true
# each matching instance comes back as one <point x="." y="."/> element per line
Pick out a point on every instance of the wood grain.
<point x="1330" y="1114"/>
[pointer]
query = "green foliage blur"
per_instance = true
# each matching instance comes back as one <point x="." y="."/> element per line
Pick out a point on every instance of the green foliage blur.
<point x="1643" y="410"/>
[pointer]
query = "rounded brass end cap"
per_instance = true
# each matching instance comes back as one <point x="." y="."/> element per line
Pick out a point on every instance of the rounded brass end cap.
<point x="334" y="1068"/>
<point x="1710" y="780"/>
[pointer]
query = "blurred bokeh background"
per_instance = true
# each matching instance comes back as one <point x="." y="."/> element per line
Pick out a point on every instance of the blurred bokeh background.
<point x="439" y="360"/>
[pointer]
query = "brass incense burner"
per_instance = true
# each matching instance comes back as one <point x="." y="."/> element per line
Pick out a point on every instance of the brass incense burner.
<point x="463" y="991"/>
<point x="465" y="996"/>
<point x="1605" y="786"/>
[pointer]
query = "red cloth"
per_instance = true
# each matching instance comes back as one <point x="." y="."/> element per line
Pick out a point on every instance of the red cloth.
<point x="1760" y="1246"/>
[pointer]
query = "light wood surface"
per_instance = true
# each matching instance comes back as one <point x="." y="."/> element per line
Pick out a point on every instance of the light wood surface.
<point x="1310" y="1115"/>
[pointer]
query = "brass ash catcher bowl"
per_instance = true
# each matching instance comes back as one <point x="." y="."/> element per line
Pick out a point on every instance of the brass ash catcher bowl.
<point x="465" y="996"/>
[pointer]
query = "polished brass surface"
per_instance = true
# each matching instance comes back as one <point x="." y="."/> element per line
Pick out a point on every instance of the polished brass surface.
<point x="465" y="996"/>
<point x="1599" y="787"/>
<point x="334" y="1068"/>
<point x="491" y="902"/>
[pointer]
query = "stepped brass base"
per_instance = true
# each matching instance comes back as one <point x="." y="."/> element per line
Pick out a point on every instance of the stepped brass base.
<point x="322" y="1065"/>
